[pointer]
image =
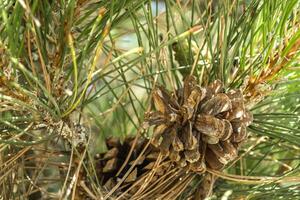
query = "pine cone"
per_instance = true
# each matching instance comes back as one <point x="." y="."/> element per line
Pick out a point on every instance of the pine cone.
<point x="110" y="162"/>
<point x="198" y="126"/>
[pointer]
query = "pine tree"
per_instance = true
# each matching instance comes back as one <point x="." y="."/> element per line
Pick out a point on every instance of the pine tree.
<point x="137" y="99"/>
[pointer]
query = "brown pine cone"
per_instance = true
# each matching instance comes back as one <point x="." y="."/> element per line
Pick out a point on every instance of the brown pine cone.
<point x="198" y="126"/>
<point x="109" y="163"/>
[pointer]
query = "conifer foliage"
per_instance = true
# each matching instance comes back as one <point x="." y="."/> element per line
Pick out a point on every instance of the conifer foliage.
<point x="149" y="99"/>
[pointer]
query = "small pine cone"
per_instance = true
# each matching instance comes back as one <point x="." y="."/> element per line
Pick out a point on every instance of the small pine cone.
<point x="198" y="126"/>
<point x="110" y="162"/>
